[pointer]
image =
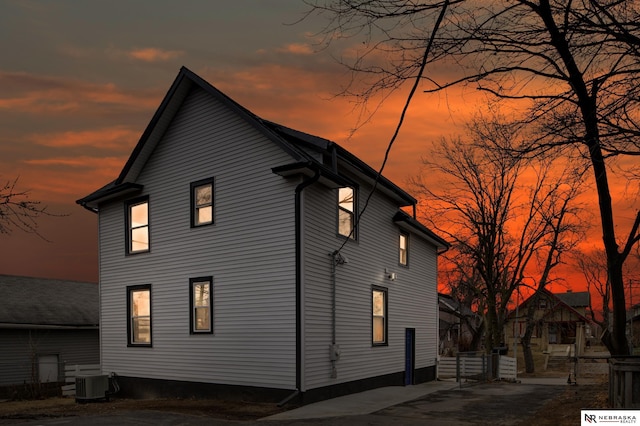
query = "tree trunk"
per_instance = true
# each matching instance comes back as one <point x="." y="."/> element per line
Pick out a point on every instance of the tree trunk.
<point x="586" y="101"/>
<point x="529" y="365"/>
<point x="526" y="340"/>
<point x="532" y="306"/>
<point x="493" y="334"/>
<point x="618" y="343"/>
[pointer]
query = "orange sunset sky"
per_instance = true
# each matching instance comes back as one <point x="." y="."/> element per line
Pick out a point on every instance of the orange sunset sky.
<point x="79" y="82"/>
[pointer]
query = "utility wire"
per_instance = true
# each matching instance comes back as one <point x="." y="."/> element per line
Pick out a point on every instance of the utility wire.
<point x="416" y="83"/>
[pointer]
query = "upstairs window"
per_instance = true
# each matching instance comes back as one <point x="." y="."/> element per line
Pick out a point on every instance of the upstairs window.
<point x="202" y="202"/>
<point x="379" y="318"/>
<point x="403" y="249"/>
<point x="138" y="226"/>
<point x="139" y="309"/>
<point x="200" y="301"/>
<point x="346" y="212"/>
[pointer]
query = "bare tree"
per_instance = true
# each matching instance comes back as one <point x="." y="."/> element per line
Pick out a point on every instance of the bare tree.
<point x="559" y="214"/>
<point x="572" y="66"/>
<point x="17" y="211"/>
<point x="500" y="226"/>
<point x="594" y="269"/>
<point x="459" y="276"/>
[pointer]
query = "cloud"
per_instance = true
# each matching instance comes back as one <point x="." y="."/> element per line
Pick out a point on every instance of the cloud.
<point x="151" y="54"/>
<point x="297" y="49"/>
<point x="116" y="138"/>
<point x="82" y="162"/>
<point x="67" y="177"/>
<point x="30" y="93"/>
<point x="145" y="54"/>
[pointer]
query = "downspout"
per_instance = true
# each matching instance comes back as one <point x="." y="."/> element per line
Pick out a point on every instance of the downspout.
<point x="334" y="349"/>
<point x="299" y="247"/>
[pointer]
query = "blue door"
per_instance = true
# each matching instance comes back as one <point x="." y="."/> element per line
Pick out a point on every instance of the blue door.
<point x="409" y="356"/>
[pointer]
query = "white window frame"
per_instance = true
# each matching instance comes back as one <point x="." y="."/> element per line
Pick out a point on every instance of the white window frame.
<point x="196" y="304"/>
<point x="343" y="209"/>
<point x="135" y="318"/>
<point x="403" y="252"/>
<point x="375" y="314"/>
<point x="133" y="227"/>
<point x="195" y="207"/>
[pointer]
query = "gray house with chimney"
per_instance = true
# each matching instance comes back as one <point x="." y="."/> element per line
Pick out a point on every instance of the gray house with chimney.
<point x="235" y="256"/>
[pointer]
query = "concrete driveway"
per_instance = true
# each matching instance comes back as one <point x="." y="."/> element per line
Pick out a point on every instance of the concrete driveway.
<point x="433" y="403"/>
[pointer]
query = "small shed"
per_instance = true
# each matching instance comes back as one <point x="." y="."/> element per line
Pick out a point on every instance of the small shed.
<point x="45" y="324"/>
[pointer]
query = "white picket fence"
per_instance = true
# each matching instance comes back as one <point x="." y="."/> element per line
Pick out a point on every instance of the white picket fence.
<point x="72" y="371"/>
<point x="475" y="366"/>
<point x="507" y="368"/>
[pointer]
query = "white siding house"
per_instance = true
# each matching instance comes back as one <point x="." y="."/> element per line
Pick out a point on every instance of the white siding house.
<point x="227" y="261"/>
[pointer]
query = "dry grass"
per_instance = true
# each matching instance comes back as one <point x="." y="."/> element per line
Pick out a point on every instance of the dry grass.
<point x="591" y="392"/>
<point x="65" y="407"/>
<point x="565" y="410"/>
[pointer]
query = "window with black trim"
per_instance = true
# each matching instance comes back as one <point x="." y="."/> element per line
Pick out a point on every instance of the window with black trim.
<point x="200" y="290"/>
<point x="202" y="202"/>
<point x="403" y="249"/>
<point x="137" y="218"/>
<point x="379" y="316"/>
<point x="346" y="212"/>
<point x="139" y="315"/>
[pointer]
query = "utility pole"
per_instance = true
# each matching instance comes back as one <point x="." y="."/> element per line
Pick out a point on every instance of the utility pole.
<point x="516" y="326"/>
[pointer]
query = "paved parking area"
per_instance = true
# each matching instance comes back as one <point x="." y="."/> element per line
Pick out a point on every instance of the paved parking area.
<point x="434" y="403"/>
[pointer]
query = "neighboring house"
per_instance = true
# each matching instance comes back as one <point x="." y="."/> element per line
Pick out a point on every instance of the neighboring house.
<point x="45" y="323"/>
<point x="234" y="256"/>
<point x="455" y="334"/>
<point x="560" y="320"/>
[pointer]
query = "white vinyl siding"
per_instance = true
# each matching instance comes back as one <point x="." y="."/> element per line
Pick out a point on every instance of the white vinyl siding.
<point x="412" y="297"/>
<point x="249" y="251"/>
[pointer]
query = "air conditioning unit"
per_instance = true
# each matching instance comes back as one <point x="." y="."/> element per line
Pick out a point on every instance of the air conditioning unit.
<point x="91" y="388"/>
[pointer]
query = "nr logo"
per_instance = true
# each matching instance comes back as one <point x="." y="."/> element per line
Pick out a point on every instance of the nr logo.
<point x="590" y="418"/>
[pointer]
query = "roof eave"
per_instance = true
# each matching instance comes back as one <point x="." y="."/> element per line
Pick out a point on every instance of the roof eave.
<point x="327" y="177"/>
<point x="92" y="201"/>
<point x="358" y="166"/>
<point x="407" y="223"/>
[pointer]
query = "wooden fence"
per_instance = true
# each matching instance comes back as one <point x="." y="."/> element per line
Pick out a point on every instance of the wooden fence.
<point x="72" y="371"/>
<point x="624" y="382"/>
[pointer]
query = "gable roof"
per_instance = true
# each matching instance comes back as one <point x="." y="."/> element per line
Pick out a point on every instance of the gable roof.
<point x="27" y="302"/>
<point x="311" y="155"/>
<point x="578" y="299"/>
<point x="297" y="144"/>
<point x="569" y="301"/>
<point x="448" y="304"/>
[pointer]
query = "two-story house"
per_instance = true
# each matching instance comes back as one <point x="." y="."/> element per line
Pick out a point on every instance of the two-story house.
<point x="560" y="319"/>
<point x="237" y="254"/>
